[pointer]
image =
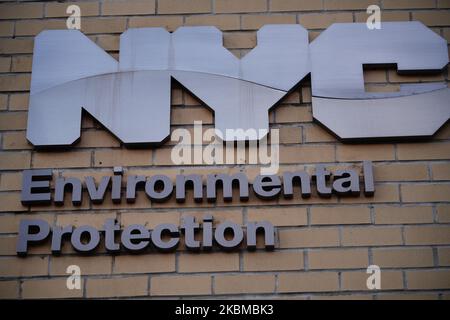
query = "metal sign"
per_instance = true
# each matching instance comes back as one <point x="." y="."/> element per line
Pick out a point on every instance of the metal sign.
<point x="342" y="105"/>
<point x="131" y="98"/>
<point x="166" y="237"/>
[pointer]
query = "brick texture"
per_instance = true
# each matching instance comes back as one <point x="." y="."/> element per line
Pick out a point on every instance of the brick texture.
<point x="322" y="245"/>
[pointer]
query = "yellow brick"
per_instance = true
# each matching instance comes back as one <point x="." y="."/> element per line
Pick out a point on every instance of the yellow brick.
<point x="340" y="215"/>
<point x="189" y="115"/>
<point x="6" y="28"/>
<point x="55" y="10"/>
<point x="306" y="154"/>
<point x="66" y="206"/>
<point x="291" y="97"/>
<point x="149" y="219"/>
<point x="19" y="101"/>
<point x="350" y="296"/>
<point x="223" y="21"/>
<point x="306" y="94"/>
<point x="425" y="192"/>
<point x="240" y="283"/>
<point x="441" y="171"/>
<point x="176" y="97"/>
<point x="21" y="64"/>
<point x="444" y="132"/>
<point x="9" y="289"/>
<point x="383" y="193"/>
<point x="239" y="40"/>
<point x="407" y="296"/>
<point x="88" y="264"/>
<point x="381" y="87"/>
<point x="408" y="4"/>
<point x="15" y="160"/>
<point x="209" y="262"/>
<point x="433" y="18"/>
<point x="338" y="259"/>
<point x="184" y="6"/>
<point x="358" y="152"/>
<point x="30" y="266"/>
<point x="308" y="282"/>
<point x="168" y="22"/>
<point x="421" y="235"/>
<point x="323" y="20"/>
<point x="96" y="220"/>
<point x="295" y="5"/>
<point x="96" y="139"/>
<point x="5" y="66"/>
<point x="230" y="6"/>
<point x="103" y="25"/>
<point x="357" y="280"/>
<point x="403" y="257"/>
<point x="400" y="172"/>
<point x="277" y="260"/>
<point x="18" y="82"/>
<point x="10" y="181"/>
<point x="108" y="42"/>
<point x="290" y="135"/>
<point x="15" y="140"/>
<point x="11" y="202"/>
<point x="279" y="217"/>
<point x="21" y="11"/>
<point x="293" y="114"/>
<point x="68" y="159"/>
<point x="123" y="8"/>
<point x="8" y="245"/>
<point x="122" y="157"/>
<point x="49" y="289"/>
<point x="443" y="4"/>
<point x="180" y="285"/>
<point x="371" y="236"/>
<point x="309" y="237"/>
<point x="9" y="223"/>
<point x="3" y="101"/>
<point x="219" y="216"/>
<point x="417" y="77"/>
<point x="402" y="215"/>
<point x="13" y="46"/>
<point x="147" y="263"/>
<point x="443" y="213"/>
<point x="190" y="100"/>
<point x="317" y="134"/>
<point x="256" y="21"/>
<point x="428" y="279"/>
<point x="446" y="33"/>
<point x="13" y="121"/>
<point x="33" y="27"/>
<point x="444" y="256"/>
<point x="117" y="287"/>
<point x="347" y="4"/>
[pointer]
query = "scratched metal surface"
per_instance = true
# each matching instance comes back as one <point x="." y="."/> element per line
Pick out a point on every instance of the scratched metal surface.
<point x="131" y="97"/>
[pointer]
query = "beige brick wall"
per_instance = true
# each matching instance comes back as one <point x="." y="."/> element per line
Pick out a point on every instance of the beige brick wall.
<point x="323" y="245"/>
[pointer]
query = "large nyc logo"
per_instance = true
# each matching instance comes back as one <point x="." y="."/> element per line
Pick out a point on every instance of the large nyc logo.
<point x="131" y="98"/>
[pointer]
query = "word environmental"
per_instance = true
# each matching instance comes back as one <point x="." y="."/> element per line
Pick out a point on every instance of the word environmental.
<point x="36" y="187"/>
